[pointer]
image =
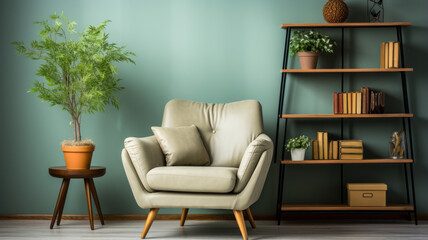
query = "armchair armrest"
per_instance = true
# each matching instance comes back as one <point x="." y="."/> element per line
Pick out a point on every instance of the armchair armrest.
<point x="145" y="154"/>
<point x="250" y="160"/>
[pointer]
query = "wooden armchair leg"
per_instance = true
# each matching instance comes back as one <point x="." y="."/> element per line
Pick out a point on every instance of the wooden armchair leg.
<point x="241" y="223"/>
<point x="183" y="216"/>
<point x="150" y="218"/>
<point x="250" y="218"/>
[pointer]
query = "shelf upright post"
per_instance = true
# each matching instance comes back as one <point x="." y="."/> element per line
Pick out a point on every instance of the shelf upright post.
<point x="409" y="134"/>
<point x="280" y="111"/>
<point x="341" y="120"/>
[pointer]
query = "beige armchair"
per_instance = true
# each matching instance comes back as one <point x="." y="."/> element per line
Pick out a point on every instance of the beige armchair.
<point x="240" y="156"/>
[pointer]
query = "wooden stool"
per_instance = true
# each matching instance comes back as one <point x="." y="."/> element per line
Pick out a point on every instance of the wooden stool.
<point x="87" y="175"/>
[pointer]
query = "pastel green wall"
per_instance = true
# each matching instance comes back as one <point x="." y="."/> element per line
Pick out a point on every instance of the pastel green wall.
<point x="209" y="51"/>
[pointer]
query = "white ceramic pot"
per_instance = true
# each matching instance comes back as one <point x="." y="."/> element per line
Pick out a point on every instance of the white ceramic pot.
<point x="298" y="154"/>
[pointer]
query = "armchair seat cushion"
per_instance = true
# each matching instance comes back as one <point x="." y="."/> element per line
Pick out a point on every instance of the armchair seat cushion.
<point x="192" y="179"/>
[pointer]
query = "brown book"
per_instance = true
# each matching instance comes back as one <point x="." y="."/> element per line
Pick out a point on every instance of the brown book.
<point x="367" y="91"/>
<point x="345" y="103"/>
<point x="396" y="54"/>
<point x="335" y="149"/>
<point x="340" y="103"/>
<point x="372" y="102"/>
<point x="391" y="54"/>
<point x="358" y="102"/>
<point x="354" y="103"/>
<point x="325" y="144"/>
<point x="315" y="153"/>
<point x="376" y="102"/>
<point x="381" y="102"/>
<point x="352" y="150"/>
<point x="349" y="102"/>
<point x="330" y="150"/>
<point x="351" y="156"/>
<point x="335" y="104"/>
<point x="382" y="55"/>
<point x="320" y="145"/>
<point x="386" y="55"/>
<point x="351" y="143"/>
<point x="363" y="100"/>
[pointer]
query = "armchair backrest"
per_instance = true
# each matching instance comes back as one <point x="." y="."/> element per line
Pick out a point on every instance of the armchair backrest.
<point x="226" y="129"/>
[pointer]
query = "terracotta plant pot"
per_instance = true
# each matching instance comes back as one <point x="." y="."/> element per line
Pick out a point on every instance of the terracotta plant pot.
<point x="78" y="157"/>
<point x="308" y="60"/>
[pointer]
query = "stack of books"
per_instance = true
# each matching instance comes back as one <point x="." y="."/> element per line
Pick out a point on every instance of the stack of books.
<point x="351" y="149"/>
<point x="389" y="54"/>
<point x="363" y="102"/>
<point x="323" y="149"/>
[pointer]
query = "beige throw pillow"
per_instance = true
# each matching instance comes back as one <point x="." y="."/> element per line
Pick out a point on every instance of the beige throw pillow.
<point x="182" y="146"/>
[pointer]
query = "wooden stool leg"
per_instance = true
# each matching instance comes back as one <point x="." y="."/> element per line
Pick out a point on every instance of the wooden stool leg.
<point x="58" y="201"/>
<point x="88" y="200"/>
<point x="150" y="218"/>
<point x="97" y="203"/>
<point x="241" y="223"/>
<point x="183" y="216"/>
<point x="61" y="207"/>
<point x="250" y="218"/>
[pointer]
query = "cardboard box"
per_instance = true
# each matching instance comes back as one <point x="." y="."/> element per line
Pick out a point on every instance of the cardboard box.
<point x="367" y="194"/>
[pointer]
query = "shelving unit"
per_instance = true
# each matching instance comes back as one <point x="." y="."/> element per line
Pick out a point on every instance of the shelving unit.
<point x="410" y="206"/>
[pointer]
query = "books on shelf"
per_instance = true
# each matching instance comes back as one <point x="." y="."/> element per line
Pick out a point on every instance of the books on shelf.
<point x="365" y="101"/>
<point x="323" y="149"/>
<point x="389" y="55"/>
<point x="350" y="149"/>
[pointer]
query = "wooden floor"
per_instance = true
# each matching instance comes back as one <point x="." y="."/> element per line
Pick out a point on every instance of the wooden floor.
<point x="79" y="229"/>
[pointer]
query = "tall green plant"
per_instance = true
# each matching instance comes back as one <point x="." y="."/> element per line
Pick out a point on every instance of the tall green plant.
<point x="78" y="68"/>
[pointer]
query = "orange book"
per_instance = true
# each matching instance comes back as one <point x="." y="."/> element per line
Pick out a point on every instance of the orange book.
<point x="330" y="150"/>
<point x="354" y="103"/>
<point x="382" y="55"/>
<point x="320" y="145"/>
<point x="396" y="54"/>
<point x="386" y="55"/>
<point x="315" y="154"/>
<point x="345" y="103"/>
<point x="349" y="102"/>
<point x="335" y="103"/>
<point x="325" y="144"/>
<point x="335" y="149"/>
<point x="391" y="54"/>
<point x="358" y="102"/>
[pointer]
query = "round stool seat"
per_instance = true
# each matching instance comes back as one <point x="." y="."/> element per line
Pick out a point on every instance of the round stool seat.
<point x="63" y="172"/>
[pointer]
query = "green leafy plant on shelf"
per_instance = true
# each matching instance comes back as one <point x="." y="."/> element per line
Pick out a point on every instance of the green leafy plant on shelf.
<point x="298" y="142"/>
<point x="308" y="45"/>
<point x="311" y="41"/>
<point x="78" y="69"/>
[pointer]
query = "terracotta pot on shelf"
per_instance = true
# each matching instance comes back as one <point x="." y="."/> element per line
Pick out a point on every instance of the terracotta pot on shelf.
<point x="308" y="60"/>
<point x="78" y="157"/>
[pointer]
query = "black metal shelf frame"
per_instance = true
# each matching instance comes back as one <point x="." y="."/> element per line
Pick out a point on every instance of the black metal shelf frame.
<point x="406" y="124"/>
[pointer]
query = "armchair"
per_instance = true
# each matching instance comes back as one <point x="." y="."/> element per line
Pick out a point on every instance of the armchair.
<point x="240" y="156"/>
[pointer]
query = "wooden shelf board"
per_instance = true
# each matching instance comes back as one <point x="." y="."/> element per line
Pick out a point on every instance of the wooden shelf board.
<point x="347" y="70"/>
<point x="381" y="115"/>
<point x="344" y="207"/>
<point x="356" y="24"/>
<point x="364" y="161"/>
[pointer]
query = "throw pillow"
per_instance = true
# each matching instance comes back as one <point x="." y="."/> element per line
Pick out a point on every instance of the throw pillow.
<point x="182" y="146"/>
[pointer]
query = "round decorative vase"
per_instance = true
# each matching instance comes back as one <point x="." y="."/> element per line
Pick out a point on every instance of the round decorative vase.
<point x="308" y="60"/>
<point x="78" y="157"/>
<point x="335" y="11"/>
<point x="298" y="154"/>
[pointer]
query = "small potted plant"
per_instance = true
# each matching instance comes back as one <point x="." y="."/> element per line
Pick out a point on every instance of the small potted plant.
<point x="308" y="45"/>
<point x="297" y="146"/>
<point x="79" y="76"/>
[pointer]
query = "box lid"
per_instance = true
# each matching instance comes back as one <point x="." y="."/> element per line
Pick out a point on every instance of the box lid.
<point x="367" y="186"/>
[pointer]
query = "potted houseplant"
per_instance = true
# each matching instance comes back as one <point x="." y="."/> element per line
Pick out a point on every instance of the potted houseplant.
<point x="297" y="146"/>
<point x="308" y="45"/>
<point x="79" y="75"/>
